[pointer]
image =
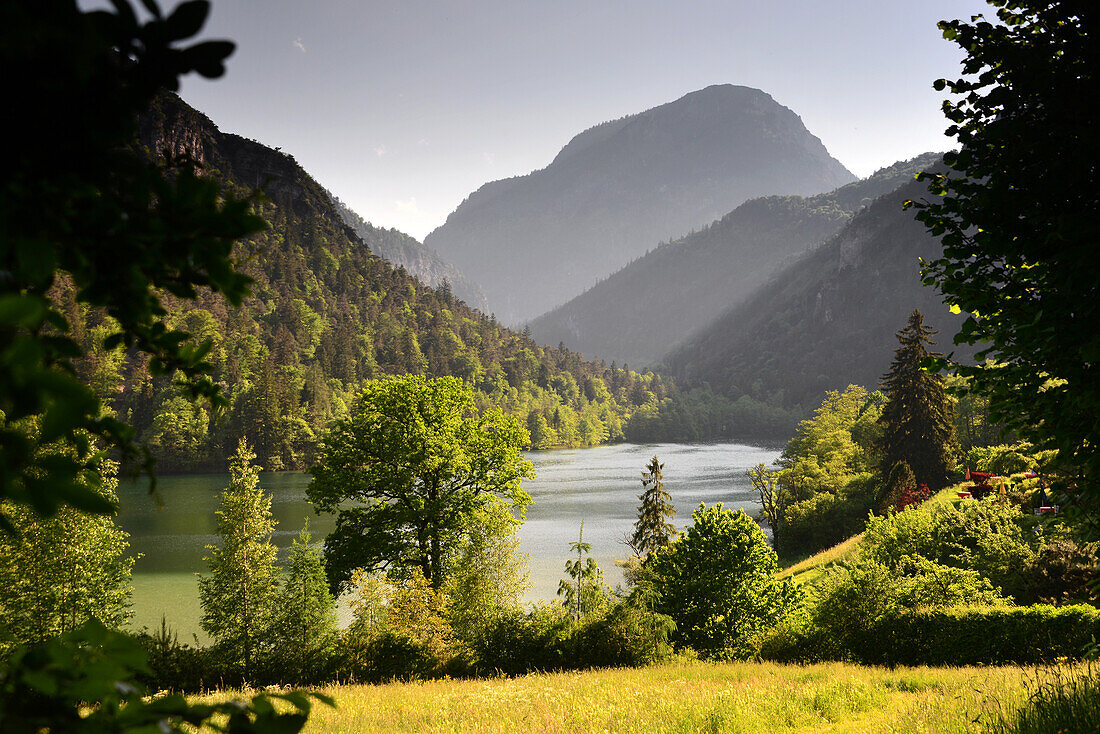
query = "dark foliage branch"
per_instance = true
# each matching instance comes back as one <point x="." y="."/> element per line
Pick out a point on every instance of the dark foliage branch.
<point x="1019" y="217"/>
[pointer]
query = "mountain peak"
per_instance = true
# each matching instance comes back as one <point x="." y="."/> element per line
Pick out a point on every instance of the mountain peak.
<point x="619" y="188"/>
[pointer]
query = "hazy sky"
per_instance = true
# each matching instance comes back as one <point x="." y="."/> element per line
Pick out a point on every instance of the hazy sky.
<point x="403" y="107"/>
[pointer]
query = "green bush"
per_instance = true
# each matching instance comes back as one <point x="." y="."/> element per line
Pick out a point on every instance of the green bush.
<point x="547" y="638"/>
<point x="625" y="636"/>
<point x="717" y="583"/>
<point x="386" y="655"/>
<point x="519" y="642"/>
<point x="946" y="636"/>
<point x="982" y="635"/>
<point x="996" y="540"/>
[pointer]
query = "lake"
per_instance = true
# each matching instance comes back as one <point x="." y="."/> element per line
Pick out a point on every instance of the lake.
<point x="598" y="485"/>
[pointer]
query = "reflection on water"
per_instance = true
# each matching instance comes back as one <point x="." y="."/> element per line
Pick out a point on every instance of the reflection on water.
<point x="597" y="485"/>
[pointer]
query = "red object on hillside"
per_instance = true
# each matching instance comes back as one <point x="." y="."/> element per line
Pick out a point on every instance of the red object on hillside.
<point x="913" y="497"/>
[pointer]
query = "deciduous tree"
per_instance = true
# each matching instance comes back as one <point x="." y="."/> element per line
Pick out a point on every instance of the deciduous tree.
<point x="717" y="582"/>
<point x="1018" y="212"/>
<point x="58" y="573"/>
<point x="766" y="483"/>
<point x="419" y="463"/>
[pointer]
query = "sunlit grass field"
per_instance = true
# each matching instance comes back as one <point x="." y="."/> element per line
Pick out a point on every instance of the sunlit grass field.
<point x="686" y="697"/>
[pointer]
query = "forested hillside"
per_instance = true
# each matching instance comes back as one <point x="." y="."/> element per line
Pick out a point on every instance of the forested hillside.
<point x="617" y="189"/>
<point x="827" y="320"/>
<point x="326" y="314"/>
<point x="653" y="304"/>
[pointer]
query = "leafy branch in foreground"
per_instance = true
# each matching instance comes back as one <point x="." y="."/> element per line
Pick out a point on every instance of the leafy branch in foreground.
<point x="1018" y="213"/>
<point x="48" y="687"/>
<point x="78" y="201"/>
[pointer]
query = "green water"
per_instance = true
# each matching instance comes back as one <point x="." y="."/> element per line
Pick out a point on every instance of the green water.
<point x="598" y="485"/>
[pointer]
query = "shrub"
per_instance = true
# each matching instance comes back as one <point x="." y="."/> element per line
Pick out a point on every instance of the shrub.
<point x="972" y="635"/>
<point x="717" y="583"/>
<point x="982" y="635"/>
<point x="994" y="539"/>
<point x="518" y="642"/>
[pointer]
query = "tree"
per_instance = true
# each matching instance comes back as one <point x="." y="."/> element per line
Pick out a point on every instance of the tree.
<point x="587" y="592"/>
<point x="900" y="483"/>
<point x="766" y="483"/>
<point x="1018" y="212"/>
<point x="490" y="577"/>
<point x="918" y="420"/>
<point x="58" y="573"/>
<point x="304" y="626"/>
<point x="653" y="531"/>
<point x="238" y="597"/>
<point x="717" y="582"/>
<point x="420" y="465"/>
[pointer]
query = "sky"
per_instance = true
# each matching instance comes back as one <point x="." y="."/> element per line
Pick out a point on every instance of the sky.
<point x="402" y="108"/>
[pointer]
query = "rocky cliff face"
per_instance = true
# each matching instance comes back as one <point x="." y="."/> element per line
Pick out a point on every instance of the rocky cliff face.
<point x="620" y="188"/>
<point x="179" y="129"/>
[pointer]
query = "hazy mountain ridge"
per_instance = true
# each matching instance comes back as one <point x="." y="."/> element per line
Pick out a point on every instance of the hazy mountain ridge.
<point x="619" y="188"/>
<point x="656" y="302"/>
<point x="402" y="250"/>
<point x="829" y="319"/>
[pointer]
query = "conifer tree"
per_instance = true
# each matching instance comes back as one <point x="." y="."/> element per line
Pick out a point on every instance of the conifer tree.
<point x="653" y="531"/>
<point x="238" y="597"/>
<point x="305" y="618"/>
<point x="587" y="593"/>
<point x="919" y="418"/>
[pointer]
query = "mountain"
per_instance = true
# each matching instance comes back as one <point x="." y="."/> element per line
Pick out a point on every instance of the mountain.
<point x="617" y="189"/>
<point x="653" y="304"/>
<point x="326" y="314"/>
<point x="829" y="318"/>
<point x="402" y="250"/>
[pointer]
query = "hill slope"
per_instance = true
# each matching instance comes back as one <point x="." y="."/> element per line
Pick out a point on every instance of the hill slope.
<point x="828" y="319"/>
<point x="325" y="315"/>
<point x="650" y="306"/>
<point x="619" y="188"/>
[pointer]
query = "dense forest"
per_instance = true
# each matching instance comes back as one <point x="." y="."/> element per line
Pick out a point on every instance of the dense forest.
<point x="326" y="314"/>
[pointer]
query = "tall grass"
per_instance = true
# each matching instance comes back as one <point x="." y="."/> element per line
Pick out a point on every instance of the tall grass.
<point x="1061" y="701"/>
<point x="685" y="698"/>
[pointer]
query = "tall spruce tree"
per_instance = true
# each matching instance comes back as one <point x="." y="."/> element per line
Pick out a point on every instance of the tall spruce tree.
<point x="919" y="419"/>
<point x="653" y="531"/>
<point x="238" y="597"/>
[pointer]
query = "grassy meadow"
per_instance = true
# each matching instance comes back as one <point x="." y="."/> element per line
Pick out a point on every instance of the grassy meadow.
<point x="687" y="697"/>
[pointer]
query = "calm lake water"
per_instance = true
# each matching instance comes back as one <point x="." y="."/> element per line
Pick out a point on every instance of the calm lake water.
<point x="599" y="486"/>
